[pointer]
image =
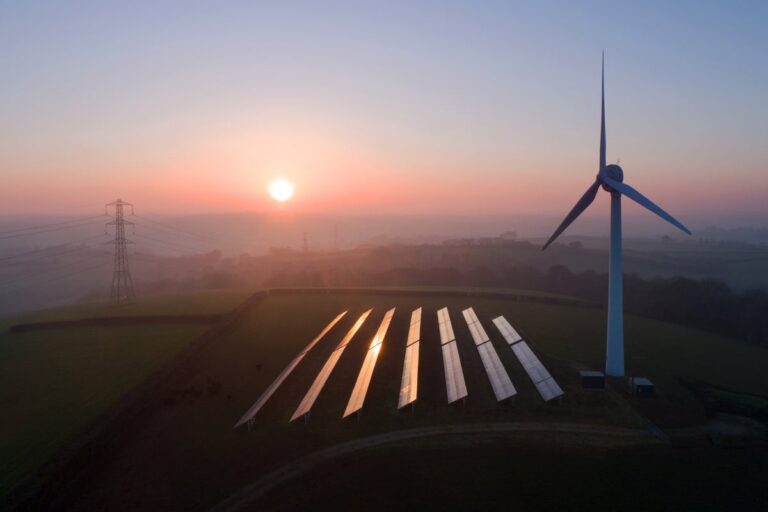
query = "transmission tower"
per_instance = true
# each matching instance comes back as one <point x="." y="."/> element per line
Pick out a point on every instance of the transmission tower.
<point x="122" y="283"/>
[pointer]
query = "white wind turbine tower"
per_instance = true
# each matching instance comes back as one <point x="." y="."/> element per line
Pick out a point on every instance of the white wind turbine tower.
<point x="611" y="178"/>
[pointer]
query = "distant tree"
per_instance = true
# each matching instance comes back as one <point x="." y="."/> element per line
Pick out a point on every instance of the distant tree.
<point x="220" y="279"/>
<point x="560" y="278"/>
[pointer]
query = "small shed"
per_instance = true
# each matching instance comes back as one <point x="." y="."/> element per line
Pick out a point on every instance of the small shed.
<point x="642" y="387"/>
<point x="592" y="379"/>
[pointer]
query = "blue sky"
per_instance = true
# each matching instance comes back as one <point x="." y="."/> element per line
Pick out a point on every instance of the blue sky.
<point x="492" y="102"/>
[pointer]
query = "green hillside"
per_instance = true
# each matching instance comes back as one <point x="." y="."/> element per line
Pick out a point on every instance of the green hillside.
<point x="54" y="382"/>
<point x="193" y="303"/>
<point x="194" y="451"/>
<point x="184" y="436"/>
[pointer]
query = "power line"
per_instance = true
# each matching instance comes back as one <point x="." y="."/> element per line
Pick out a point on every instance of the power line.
<point x="22" y="277"/>
<point x="171" y="237"/>
<point x="47" y="257"/>
<point x="52" y="224"/>
<point x="155" y="245"/>
<point x="47" y="251"/>
<point x="173" y="245"/>
<point x="51" y="230"/>
<point x="151" y="258"/>
<point x="57" y="278"/>
<point x="186" y="243"/>
<point x="205" y="238"/>
<point x="164" y="248"/>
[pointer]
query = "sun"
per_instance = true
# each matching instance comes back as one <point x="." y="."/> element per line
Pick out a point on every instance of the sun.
<point x="281" y="189"/>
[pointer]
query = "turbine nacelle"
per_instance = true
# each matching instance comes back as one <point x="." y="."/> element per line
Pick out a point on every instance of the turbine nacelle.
<point x="613" y="172"/>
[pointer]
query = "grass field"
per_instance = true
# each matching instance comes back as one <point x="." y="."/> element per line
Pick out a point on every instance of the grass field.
<point x="521" y="474"/>
<point x="204" y="302"/>
<point x="188" y="444"/>
<point x="54" y="382"/>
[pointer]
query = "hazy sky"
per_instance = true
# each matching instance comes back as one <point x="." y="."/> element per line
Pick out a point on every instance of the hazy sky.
<point x="462" y="107"/>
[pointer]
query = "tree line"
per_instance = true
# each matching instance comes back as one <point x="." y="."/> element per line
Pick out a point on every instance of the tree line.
<point x="706" y="304"/>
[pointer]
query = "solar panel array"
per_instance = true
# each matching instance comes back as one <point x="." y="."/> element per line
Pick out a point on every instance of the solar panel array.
<point x="545" y="384"/>
<point x="455" y="386"/>
<point x="357" y="398"/>
<point x="541" y="378"/>
<point x="409" y="384"/>
<point x="500" y="381"/>
<point x="250" y="413"/>
<point x="507" y="331"/>
<point x="309" y="399"/>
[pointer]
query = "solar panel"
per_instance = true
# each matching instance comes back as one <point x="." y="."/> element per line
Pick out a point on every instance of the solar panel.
<point x="500" y="381"/>
<point x="444" y="323"/>
<point x="530" y="362"/>
<point x="507" y="331"/>
<point x="455" y="386"/>
<point x="250" y="413"/>
<point x="548" y="389"/>
<point x="475" y="328"/>
<point x="545" y="384"/>
<point x="409" y="382"/>
<point x="314" y="390"/>
<point x="415" y="328"/>
<point x="357" y="398"/>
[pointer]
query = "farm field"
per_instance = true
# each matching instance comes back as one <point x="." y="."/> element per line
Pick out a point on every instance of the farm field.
<point x="185" y="439"/>
<point x="518" y="473"/>
<point x="193" y="303"/>
<point x="54" y="382"/>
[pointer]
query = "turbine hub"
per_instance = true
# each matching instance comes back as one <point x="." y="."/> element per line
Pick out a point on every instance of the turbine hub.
<point x="614" y="172"/>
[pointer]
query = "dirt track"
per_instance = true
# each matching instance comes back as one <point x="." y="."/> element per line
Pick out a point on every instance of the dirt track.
<point x="250" y="493"/>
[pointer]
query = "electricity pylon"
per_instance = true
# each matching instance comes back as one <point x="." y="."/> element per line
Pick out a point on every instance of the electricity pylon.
<point x="122" y="283"/>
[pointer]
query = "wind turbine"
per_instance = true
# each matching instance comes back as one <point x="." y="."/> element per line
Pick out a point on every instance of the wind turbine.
<point x="611" y="178"/>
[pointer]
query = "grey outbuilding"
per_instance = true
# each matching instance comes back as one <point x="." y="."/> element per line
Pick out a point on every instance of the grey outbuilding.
<point x="592" y="379"/>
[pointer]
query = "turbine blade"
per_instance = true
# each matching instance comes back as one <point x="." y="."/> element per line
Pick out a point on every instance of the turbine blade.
<point x="602" y="120"/>
<point x="581" y="205"/>
<point x="644" y="201"/>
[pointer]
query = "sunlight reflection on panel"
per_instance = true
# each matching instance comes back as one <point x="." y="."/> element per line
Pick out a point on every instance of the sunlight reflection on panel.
<point x="409" y="382"/>
<point x="309" y="399"/>
<point x="357" y="398"/>
<point x="455" y="386"/>
<point x="500" y="381"/>
<point x="250" y="413"/>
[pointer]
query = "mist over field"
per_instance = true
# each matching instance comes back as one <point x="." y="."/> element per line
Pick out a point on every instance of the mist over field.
<point x="255" y="233"/>
<point x="668" y="274"/>
<point x="72" y="261"/>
